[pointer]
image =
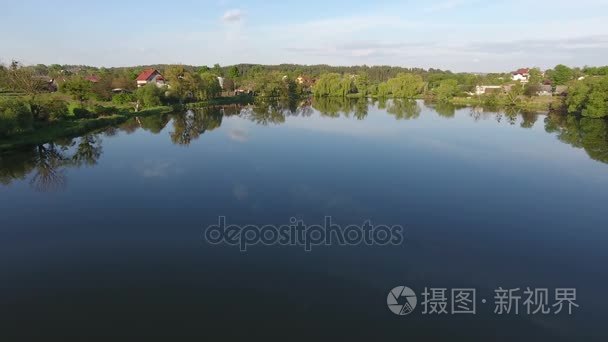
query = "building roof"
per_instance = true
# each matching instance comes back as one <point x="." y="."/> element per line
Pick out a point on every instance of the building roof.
<point x="522" y="71"/>
<point x="146" y="74"/>
<point x="92" y="78"/>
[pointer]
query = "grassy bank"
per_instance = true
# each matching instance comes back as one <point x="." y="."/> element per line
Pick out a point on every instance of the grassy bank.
<point x="238" y="99"/>
<point x="539" y="103"/>
<point x="73" y="128"/>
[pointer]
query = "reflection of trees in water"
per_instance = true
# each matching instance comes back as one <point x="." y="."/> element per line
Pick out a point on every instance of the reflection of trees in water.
<point x="110" y="131"/>
<point x="483" y="113"/>
<point x="190" y="126"/>
<point x="444" y="109"/>
<point x="330" y="106"/>
<point x="154" y="123"/>
<point x="528" y="119"/>
<point x="337" y="106"/>
<point x="511" y="115"/>
<point x="587" y="133"/>
<point x="48" y="172"/>
<point x="403" y="109"/>
<point x="381" y="102"/>
<point x="88" y="151"/>
<point x="130" y="126"/>
<point x="361" y="108"/>
<point x="265" y="112"/>
<point x="46" y="163"/>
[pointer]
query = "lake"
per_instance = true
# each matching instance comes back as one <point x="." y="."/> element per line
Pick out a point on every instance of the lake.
<point x="104" y="234"/>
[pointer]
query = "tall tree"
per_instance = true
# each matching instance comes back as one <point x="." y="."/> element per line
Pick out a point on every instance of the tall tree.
<point x="24" y="79"/>
<point x="233" y="72"/>
<point x="561" y="74"/>
<point x="446" y="90"/>
<point x="406" y="86"/>
<point x="79" y="88"/>
<point x="362" y="84"/>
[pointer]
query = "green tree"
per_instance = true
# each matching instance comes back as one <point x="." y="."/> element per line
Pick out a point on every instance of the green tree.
<point x="597" y="102"/>
<point x="446" y="90"/>
<point x="536" y="76"/>
<point x="589" y="97"/>
<point x="79" y="88"/>
<point x="180" y="81"/>
<point x="577" y="96"/>
<point x="217" y="70"/>
<point x="406" y="86"/>
<point x="384" y="90"/>
<point x="362" y="84"/>
<point x="514" y="93"/>
<point x="208" y="87"/>
<point x="24" y="79"/>
<point x="328" y="85"/>
<point x="15" y="117"/>
<point x="233" y="72"/>
<point x="150" y="95"/>
<point x="561" y="74"/>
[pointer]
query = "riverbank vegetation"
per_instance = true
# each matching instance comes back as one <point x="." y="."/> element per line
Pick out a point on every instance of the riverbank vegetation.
<point x="35" y="100"/>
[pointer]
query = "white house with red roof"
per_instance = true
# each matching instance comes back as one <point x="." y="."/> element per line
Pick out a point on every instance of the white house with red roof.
<point x="150" y="76"/>
<point x="521" y="75"/>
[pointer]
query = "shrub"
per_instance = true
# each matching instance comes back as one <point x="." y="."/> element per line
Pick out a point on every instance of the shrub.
<point x="15" y="117"/>
<point x="82" y="113"/>
<point x="491" y="100"/>
<point x="104" y="111"/>
<point x="49" y="109"/>
<point x="150" y="95"/>
<point x="123" y="99"/>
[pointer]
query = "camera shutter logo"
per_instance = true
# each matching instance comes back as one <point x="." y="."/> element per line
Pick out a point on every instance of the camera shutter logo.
<point x="401" y="300"/>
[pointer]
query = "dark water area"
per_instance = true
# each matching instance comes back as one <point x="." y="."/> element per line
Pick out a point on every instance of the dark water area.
<point x="103" y="235"/>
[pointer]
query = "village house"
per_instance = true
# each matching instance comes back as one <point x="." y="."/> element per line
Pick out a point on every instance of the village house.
<point x="150" y="76"/>
<point x="305" y="80"/>
<point x="481" y="90"/>
<point x="521" y="75"/>
<point x="561" y="90"/>
<point x="93" y="79"/>
<point x="545" y="90"/>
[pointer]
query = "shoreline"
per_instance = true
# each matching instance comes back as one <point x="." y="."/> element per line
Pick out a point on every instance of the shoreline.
<point x="74" y="128"/>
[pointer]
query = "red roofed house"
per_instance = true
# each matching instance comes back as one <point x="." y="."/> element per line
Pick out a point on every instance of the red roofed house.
<point x="521" y="75"/>
<point x="150" y="76"/>
<point x="92" y="79"/>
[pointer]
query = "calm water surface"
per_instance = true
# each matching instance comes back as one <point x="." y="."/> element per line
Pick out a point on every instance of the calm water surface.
<point x="101" y="235"/>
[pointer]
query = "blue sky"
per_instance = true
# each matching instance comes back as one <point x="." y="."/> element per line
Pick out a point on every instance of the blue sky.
<point x="460" y="35"/>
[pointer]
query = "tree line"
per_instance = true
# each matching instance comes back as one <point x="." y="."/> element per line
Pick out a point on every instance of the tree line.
<point x="25" y="102"/>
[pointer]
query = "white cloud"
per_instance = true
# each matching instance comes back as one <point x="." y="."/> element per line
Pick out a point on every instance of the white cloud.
<point x="233" y="15"/>
<point x="238" y="135"/>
